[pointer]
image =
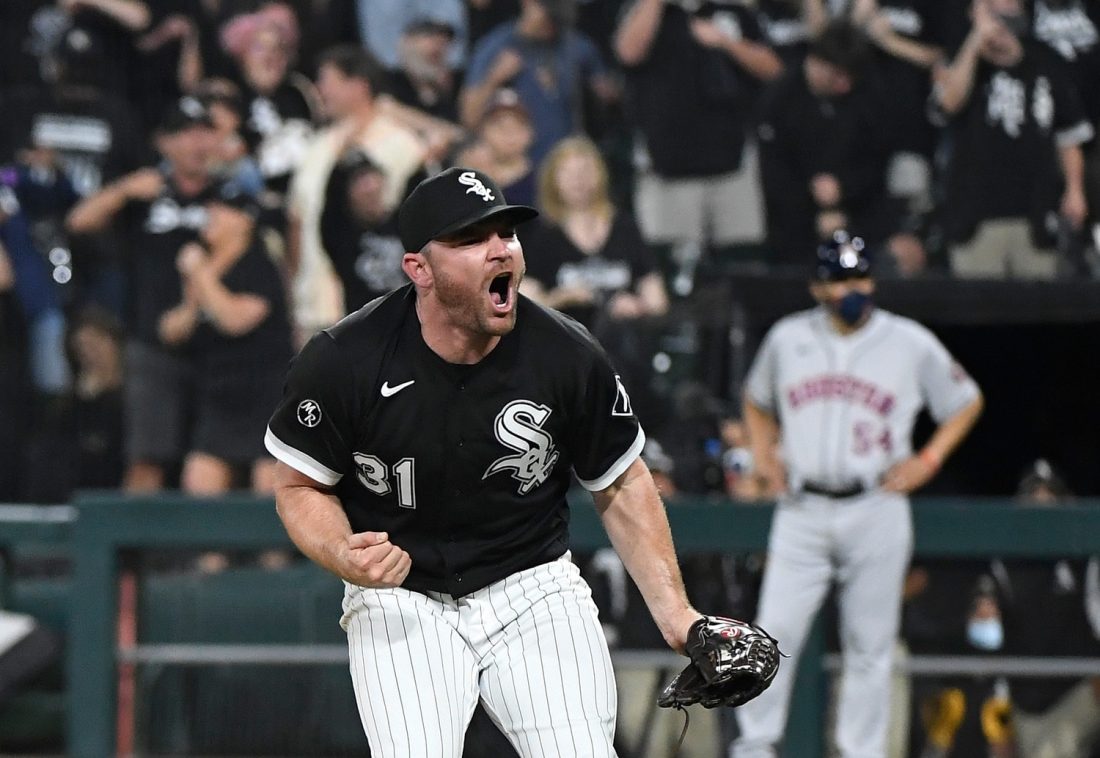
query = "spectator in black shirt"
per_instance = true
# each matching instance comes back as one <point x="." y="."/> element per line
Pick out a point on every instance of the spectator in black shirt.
<point x="693" y="72"/>
<point x="73" y="134"/>
<point x="907" y="35"/>
<point x="425" y="78"/>
<point x="1072" y="29"/>
<point x="233" y="314"/>
<point x="823" y="148"/>
<point x="359" y="232"/>
<point x="279" y="103"/>
<point x="96" y="344"/>
<point x="1016" y="120"/>
<point x="233" y="161"/>
<point x="588" y="260"/>
<point x="1050" y="609"/>
<point x="161" y="208"/>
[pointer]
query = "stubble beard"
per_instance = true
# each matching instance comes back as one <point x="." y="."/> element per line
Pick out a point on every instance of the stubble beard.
<point x="468" y="309"/>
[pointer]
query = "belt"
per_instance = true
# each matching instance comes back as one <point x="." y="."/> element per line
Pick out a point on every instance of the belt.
<point x="838" y="493"/>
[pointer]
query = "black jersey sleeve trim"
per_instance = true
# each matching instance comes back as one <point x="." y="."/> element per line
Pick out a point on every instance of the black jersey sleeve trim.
<point x="299" y="461"/>
<point x="618" y="467"/>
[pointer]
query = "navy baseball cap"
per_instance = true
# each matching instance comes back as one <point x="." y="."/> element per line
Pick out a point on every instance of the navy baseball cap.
<point x="842" y="257"/>
<point x="452" y="200"/>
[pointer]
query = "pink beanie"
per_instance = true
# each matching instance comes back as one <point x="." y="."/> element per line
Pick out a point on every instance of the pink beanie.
<point x="238" y="32"/>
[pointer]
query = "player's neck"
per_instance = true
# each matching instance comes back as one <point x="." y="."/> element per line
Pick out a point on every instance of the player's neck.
<point x="449" y="340"/>
<point x="845" y="329"/>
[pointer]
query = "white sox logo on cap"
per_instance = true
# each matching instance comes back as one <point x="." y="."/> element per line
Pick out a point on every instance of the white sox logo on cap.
<point x="469" y="179"/>
<point x="452" y="200"/>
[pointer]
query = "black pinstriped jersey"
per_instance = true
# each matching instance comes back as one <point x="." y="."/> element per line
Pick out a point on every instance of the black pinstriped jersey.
<point x="466" y="467"/>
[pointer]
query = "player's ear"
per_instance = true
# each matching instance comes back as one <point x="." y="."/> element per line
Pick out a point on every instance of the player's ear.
<point x="417" y="268"/>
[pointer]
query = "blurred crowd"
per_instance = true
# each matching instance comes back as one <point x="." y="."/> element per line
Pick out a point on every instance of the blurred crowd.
<point x="191" y="188"/>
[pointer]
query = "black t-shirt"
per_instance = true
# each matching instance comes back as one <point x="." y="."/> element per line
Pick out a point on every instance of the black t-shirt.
<point x="95" y="134"/>
<point x="691" y="103"/>
<point x="367" y="258"/>
<point x="1004" y="162"/>
<point x="368" y="261"/>
<point x="555" y="261"/>
<point x="908" y="85"/>
<point x="445" y="106"/>
<point x="267" y="346"/>
<point x="157" y="231"/>
<point x="802" y="135"/>
<point x="99" y="441"/>
<point x="1045" y="596"/>
<point x="1072" y="29"/>
<point x="784" y="27"/>
<point x="99" y="49"/>
<point x="277" y="128"/>
<point x="466" y="467"/>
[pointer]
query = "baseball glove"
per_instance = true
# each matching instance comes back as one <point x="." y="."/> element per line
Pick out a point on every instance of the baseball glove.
<point x="731" y="663"/>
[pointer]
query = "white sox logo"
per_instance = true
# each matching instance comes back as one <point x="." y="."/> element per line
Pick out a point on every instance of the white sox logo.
<point x="309" y="413"/>
<point x="469" y="179"/>
<point x="519" y="426"/>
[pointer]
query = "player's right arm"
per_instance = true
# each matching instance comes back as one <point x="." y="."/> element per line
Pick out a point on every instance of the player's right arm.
<point x="955" y="81"/>
<point x="763" y="429"/>
<point x="318" y="526"/>
<point x="758" y="412"/>
<point x="634" y="37"/>
<point x="95" y="212"/>
<point x="311" y="436"/>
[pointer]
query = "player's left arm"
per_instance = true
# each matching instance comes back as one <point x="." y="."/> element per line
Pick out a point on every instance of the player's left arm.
<point x="635" y="520"/>
<point x="917" y="470"/>
<point x="1072" y="129"/>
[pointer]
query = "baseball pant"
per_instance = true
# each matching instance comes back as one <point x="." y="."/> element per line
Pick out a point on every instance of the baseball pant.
<point x="1002" y="249"/>
<point x="529" y="646"/>
<point x="1068" y="729"/>
<point x="727" y="209"/>
<point x="864" y="544"/>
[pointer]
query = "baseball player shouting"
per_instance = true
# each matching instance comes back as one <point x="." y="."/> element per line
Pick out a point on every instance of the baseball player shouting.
<point x="426" y="444"/>
<point x="839" y="387"/>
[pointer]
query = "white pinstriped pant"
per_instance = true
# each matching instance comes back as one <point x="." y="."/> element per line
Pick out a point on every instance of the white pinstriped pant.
<point x="529" y="646"/>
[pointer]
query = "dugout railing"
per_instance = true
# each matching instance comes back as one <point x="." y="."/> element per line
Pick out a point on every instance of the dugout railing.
<point x="101" y="526"/>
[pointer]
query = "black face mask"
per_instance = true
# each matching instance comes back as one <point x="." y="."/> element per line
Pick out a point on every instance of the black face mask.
<point x="852" y="307"/>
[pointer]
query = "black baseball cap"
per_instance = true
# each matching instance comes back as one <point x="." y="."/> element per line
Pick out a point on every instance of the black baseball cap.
<point x="451" y="200"/>
<point x="184" y="113"/>
<point x="842" y="257"/>
<point x="425" y="25"/>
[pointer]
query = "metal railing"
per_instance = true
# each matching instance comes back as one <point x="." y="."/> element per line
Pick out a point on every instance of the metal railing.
<point x="101" y="525"/>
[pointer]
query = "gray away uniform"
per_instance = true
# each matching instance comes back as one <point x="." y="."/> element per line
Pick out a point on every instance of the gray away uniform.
<point x="846" y="407"/>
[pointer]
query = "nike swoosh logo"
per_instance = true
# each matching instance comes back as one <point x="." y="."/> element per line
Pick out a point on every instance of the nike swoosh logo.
<point x="388" y="391"/>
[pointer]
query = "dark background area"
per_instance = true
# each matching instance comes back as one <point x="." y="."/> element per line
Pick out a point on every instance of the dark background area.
<point x="1032" y="347"/>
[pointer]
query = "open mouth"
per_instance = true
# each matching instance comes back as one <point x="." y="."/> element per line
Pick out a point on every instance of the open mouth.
<point x="500" y="291"/>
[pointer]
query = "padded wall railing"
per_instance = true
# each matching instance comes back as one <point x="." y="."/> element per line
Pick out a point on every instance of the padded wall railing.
<point x="103" y="524"/>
